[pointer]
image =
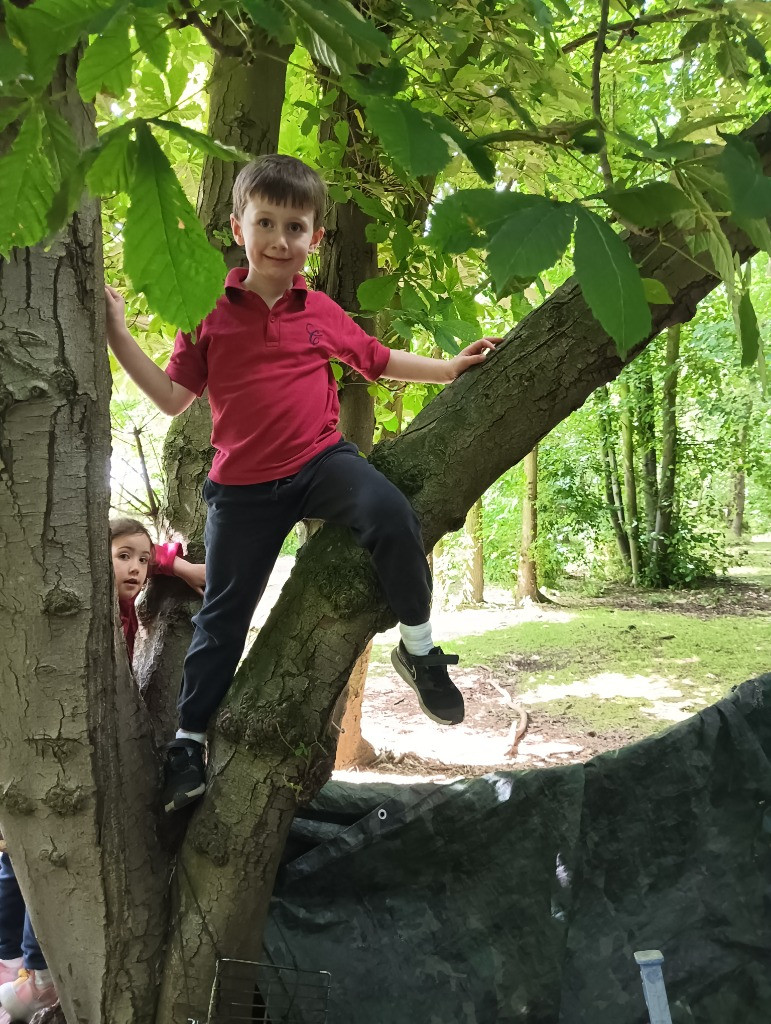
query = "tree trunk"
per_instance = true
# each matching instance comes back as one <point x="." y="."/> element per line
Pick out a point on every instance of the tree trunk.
<point x="347" y="260"/>
<point x="630" y="485"/>
<point x="660" y="574"/>
<point x="76" y="758"/>
<point x="737" y="523"/>
<point x="476" y="574"/>
<point x="527" y="576"/>
<point x="613" y="498"/>
<point x="646" y="431"/>
<point x="740" y="476"/>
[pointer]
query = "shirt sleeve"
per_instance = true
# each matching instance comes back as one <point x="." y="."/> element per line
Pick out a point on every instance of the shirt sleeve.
<point x="188" y="364"/>
<point x="163" y="559"/>
<point x="360" y="350"/>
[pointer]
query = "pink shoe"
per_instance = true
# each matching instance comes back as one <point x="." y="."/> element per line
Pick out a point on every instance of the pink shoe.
<point x="21" y="999"/>
<point x="9" y="969"/>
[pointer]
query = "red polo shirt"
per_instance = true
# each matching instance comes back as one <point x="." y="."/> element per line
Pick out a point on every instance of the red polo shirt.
<point x="272" y="392"/>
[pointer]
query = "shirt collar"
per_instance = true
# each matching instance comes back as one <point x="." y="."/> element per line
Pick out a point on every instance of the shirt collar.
<point x="234" y="283"/>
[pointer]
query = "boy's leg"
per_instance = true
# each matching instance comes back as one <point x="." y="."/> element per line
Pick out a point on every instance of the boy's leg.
<point x="345" y="489"/>
<point x="12" y="914"/>
<point x="245" y="528"/>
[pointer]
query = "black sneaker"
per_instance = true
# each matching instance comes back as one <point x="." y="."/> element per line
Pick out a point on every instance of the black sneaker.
<point x="184" y="775"/>
<point x="438" y="695"/>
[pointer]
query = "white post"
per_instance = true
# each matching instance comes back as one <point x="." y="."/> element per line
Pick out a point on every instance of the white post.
<point x="649" y="961"/>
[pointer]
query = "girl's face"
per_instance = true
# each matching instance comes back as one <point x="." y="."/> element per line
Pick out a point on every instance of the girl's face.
<point x="131" y="556"/>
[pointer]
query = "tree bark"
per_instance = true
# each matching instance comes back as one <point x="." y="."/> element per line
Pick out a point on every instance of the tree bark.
<point x="630" y="485"/>
<point x="527" y="576"/>
<point x="76" y="758"/>
<point x="667" y="473"/>
<point x="613" y="498"/>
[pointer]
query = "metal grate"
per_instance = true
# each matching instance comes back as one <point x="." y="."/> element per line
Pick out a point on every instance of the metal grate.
<point x="245" y="992"/>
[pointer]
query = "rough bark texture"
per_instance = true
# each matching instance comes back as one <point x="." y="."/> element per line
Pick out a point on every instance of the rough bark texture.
<point x="78" y="785"/>
<point x="270" y="741"/>
<point x="527" y="575"/>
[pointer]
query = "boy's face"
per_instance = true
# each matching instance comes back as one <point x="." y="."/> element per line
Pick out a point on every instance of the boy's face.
<point x="277" y="240"/>
<point x="130" y="559"/>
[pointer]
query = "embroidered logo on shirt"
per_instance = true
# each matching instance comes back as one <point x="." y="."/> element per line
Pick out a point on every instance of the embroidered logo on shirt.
<point x="314" y="336"/>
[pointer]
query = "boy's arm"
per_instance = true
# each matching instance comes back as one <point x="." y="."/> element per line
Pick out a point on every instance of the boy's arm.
<point x="421" y="369"/>
<point x="164" y="392"/>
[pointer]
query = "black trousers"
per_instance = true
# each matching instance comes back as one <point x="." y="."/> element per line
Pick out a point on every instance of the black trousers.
<point x="245" y="528"/>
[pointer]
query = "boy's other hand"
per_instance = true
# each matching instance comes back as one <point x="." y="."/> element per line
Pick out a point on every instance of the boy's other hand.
<point x="471" y="355"/>
<point x="116" y="309"/>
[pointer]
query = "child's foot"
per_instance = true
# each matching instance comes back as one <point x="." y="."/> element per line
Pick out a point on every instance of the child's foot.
<point x="9" y="969"/>
<point x="21" y="999"/>
<point x="438" y="695"/>
<point x="184" y="775"/>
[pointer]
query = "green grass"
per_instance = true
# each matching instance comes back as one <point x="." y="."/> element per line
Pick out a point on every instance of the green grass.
<point x="701" y="658"/>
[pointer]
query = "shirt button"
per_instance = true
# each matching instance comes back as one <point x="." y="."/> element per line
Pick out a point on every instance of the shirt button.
<point x="272" y="319"/>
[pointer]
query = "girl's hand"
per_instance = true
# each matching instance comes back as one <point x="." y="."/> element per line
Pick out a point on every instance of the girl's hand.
<point x="193" y="573"/>
<point x="471" y="355"/>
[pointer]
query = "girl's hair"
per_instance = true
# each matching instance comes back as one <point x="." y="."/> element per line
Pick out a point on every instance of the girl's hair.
<point x="125" y="527"/>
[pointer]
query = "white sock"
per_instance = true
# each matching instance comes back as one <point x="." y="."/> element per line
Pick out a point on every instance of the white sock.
<point x="197" y="737"/>
<point x="43" y="977"/>
<point x="417" y="639"/>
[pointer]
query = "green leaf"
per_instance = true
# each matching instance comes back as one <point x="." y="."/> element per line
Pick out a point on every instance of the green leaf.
<point x="28" y="187"/>
<point x="445" y="339"/>
<point x="610" y="281"/>
<point x="203" y="142"/>
<point x="70" y="193"/>
<point x="48" y="28"/>
<point x="112" y="169"/>
<point x="460" y="219"/>
<point x="750" y="189"/>
<point x="10" y="111"/>
<point x="476" y="152"/>
<point x="336" y="34"/>
<point x="423" y="9"/>
<point x="655" y="292"/>
<point x="757" y="231"/>
<point x="748" y="330"/>
<point x="530" y="241"/>
<point x="106" y="64"/>
<point x="271" y="17"/>
<point x="408" y="135"/>
<point x="12" y="62"/>
<point x="166" y="253"/>
<point x="650" y="205"/>
<point x="696" y="35"/>
<point x="377" y="292"/>
<point x="152" y="38"/>
<point x="59" y="143"/>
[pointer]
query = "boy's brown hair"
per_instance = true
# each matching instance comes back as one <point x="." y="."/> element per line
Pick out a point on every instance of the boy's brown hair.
<point x="280" y="179"/>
